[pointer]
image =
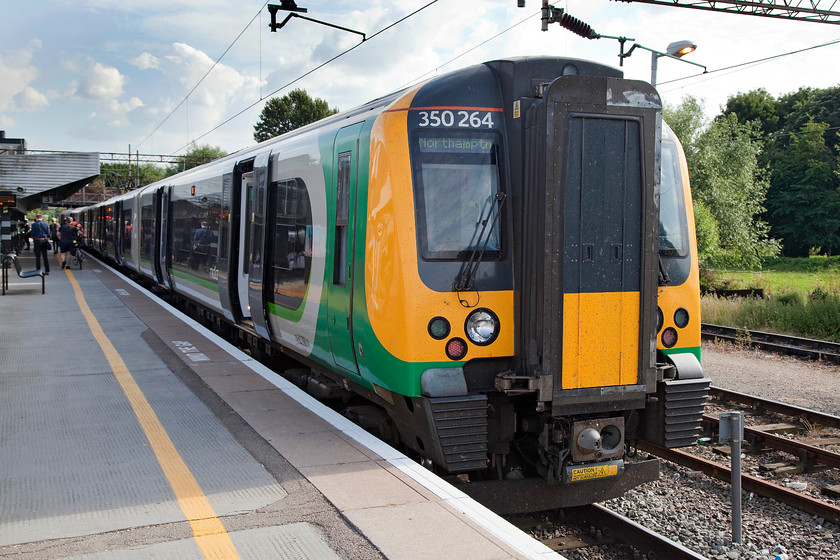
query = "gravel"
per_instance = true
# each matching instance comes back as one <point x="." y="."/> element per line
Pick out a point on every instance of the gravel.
<point x="695" y="510"/>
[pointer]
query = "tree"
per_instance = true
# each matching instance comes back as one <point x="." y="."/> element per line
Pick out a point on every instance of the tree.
<point x="803" y="204"/>
<point x="755" y="106"/>
<point x="293" y="110"/>
<point x="121" y="177"/>
<point x="728" y="185"/>
<point x="195" y="156"/>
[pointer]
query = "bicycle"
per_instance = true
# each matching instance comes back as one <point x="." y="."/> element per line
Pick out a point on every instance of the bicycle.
<point x="78" y="254"/>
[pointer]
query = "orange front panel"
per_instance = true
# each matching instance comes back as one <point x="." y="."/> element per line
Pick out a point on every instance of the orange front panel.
<point x="399" y="305"/>
<point x="600" y="339"/>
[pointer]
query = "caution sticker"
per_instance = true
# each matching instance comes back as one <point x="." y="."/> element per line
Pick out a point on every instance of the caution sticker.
<point x="593" y="471"/>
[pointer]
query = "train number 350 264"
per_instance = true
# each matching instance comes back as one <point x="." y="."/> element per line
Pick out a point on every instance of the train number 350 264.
<point x="461" y="119"/>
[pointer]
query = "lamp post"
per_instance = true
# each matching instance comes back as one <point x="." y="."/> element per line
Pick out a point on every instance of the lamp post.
<point x="677" y="49"/>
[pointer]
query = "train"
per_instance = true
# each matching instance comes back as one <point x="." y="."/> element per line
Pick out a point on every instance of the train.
<point x="495" y="268"/>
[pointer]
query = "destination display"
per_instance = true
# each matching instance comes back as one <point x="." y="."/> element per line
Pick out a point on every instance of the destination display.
<point x="455" y="144"/>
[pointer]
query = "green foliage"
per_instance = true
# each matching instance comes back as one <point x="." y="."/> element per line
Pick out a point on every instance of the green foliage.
<point x="755" y="106"/>
<point x="195" y="156"/>
<point x="810" y="265"/>
<point x="799" y="152"/>
<point x="119" y="177"/>
<point x="687" y="121"/>
<point x="293" y="110"/>
<point x="815" y="318"/>
<point x="708" y="238"/>
<point x="803" y="203"/>
<point x="728" y="185"/>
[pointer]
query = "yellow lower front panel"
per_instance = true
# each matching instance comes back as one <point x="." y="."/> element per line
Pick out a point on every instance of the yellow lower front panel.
<point x="600" y="339"/>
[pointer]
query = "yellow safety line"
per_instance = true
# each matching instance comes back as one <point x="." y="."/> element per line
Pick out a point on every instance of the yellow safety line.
<point x="210" y="534"/>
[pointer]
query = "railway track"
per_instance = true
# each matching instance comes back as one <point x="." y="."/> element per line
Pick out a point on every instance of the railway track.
<point x="807" y="454"/>
<point x="605" y="528"/>
<point x="783" y="344"/>
<point x="749" y="483"/>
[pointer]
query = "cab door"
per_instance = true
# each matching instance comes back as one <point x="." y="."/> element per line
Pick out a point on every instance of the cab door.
<point x="340" y="283"/>
<point x="259" y="253"/>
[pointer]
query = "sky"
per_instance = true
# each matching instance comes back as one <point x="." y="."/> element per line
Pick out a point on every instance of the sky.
<point x="157" y="76"/>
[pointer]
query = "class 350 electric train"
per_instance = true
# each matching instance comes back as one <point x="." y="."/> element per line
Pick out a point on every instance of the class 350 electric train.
<point x="500" y="260"/>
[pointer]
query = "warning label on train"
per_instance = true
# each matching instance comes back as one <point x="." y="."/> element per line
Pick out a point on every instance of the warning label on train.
<point x="596" y="471"/>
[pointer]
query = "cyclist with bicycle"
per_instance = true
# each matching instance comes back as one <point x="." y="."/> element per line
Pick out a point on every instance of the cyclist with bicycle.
<point x="68" y="235"/>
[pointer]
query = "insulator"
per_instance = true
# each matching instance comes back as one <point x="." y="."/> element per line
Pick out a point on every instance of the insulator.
<point x="576" y="26"/>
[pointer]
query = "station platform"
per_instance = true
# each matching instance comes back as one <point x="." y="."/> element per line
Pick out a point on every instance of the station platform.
<point x="128" y="431"/>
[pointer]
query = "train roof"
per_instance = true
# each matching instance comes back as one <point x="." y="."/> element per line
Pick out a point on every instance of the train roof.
<point x="520" y="74"/>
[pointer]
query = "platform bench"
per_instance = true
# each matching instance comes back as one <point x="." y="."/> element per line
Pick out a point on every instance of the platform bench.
<point x="11" y="260"/>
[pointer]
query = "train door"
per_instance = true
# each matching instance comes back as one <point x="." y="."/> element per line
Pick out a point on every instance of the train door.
<point x="340" y="284"/>
<point x="164" y="251"/>
<point x="157" y="234"/>
<point x="246" y="189"/>
<point x="258" y="253"/>
<point x="600" y="219"/>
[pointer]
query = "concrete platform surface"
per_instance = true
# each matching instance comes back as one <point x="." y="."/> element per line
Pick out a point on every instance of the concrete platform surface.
<point x="127" y="430"/>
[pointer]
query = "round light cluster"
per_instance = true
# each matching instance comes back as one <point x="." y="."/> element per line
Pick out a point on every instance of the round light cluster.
<point x="439" y="328"/>
<point x="481" y="328"/>
<point x="670" y="335"/>
<point x="456" y="349"/>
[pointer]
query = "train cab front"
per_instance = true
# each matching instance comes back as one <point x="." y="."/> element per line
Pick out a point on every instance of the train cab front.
<point x="589" y="282"/>
<point x="524" y="243"/>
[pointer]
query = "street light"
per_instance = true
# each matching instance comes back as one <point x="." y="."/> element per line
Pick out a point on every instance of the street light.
<point x="675" y="50"/>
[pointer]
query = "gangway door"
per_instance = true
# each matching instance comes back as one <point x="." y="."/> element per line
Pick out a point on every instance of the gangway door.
<point x="597" y="301"/>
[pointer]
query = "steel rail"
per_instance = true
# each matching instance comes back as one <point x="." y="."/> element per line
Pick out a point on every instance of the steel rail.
<point x="627" y="531"/>
<point x="613" y="529"/>
<point x="760" y="404"/>
<point x="803" y="347"/>
<point x="805" y="452"/>
<point x="749" y="483"/>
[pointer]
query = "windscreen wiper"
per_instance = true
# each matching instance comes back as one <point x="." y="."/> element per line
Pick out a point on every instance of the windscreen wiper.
<point x="664" y="278"/>
<point x="467" y="277"/>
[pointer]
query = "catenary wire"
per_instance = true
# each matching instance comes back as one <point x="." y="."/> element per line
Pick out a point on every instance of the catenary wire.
<point x="305" y="74"/>
<point x="742" y="64"/>
<point x="186" y="97"/>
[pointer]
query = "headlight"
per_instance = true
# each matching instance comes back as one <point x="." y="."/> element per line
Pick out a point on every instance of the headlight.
<point x="482" y="327"/>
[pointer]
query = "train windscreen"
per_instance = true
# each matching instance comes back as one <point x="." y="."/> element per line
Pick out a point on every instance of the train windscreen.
<point x="673" y="223"/>
<point x="673" y="232"/>
<point x="456" y="180"/>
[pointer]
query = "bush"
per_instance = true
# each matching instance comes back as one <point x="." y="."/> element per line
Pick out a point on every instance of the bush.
<point x="786" y="314"/>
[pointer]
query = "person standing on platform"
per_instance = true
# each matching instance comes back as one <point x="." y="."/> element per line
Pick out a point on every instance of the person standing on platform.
<point x="26" y="231"/>
<point x="67" y="235"/>
<point x="40" y="232"/>
<point x="54" y="235"/>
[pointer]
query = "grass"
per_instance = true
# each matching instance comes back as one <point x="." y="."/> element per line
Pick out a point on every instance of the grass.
<point x="802" y="298"/>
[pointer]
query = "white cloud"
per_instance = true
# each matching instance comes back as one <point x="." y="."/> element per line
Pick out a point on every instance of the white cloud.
<point x="211" y="100"/>
<point x="30" y="99"/>
<point x="116" y="113"/>
<point x="17" y="72"/>
<point x="146" y="61"/>
<point x="101" y="82"/>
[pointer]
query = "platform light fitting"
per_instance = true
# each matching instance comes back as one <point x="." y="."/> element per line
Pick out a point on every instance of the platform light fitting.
<point x="681" y="48"/>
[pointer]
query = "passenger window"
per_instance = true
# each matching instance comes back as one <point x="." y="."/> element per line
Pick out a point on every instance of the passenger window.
<point x="292" y="243"/>
<point x="342" y="219"/>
